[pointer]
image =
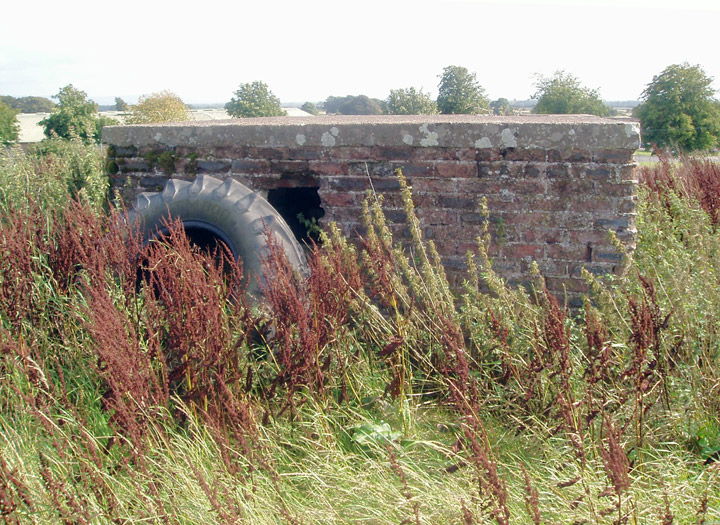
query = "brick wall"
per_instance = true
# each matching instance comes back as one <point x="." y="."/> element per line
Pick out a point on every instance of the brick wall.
<point x="555" y="185"/>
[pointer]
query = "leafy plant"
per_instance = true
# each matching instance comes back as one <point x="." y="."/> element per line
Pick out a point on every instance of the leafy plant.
<point x="679" y="110"/>
<point x="254" y="100"/>
<point x="74" y="116"/>
<point x="562" y="93"/>
<point x="372" y="436"/>
<point x="460" y="92"/>
<point x="9" y="125"/>
<point x="364" y="391"/>
<point x="163" y="106"/>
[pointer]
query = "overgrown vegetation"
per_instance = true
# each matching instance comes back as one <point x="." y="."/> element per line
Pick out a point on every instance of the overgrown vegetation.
<point x="75" y="117"/>
<point x="28" y="104"/>
<point x="9" y="126"/>
<point x="366" y="392"/>
<point x="562" y="94"/>
<point x="679" y="111"/>
<point x="254" y="99"/>
<point x="163" y="106"/>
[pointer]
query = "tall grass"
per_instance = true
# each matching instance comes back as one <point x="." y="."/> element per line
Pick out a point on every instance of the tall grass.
<point x="51" y="172"/>
<point x="138" y="383"/>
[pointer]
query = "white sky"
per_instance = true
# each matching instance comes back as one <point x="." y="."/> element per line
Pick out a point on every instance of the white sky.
<point x="309" y="50"/>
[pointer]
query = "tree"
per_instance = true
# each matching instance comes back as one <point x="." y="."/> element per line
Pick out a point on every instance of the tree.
<point x="121" y="105"/>
<point x="460" y="92"/>
<point x="311" y="108"/>
<point x="354" y="105"/>
<point x="410" y="102"/>
<point x="9" y="125"/>
<point x="158" y="107"/>
<point x="28" y="104"/>
<point x="254" y="100"/>
<point x="501" y="106"/>
<point x="74" y="116"/>
<point x="563" y="94"/>
<point x="679" y="110"/>
<point x="362" y="105"/>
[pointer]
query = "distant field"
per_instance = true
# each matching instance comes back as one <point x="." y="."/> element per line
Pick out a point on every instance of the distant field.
<point x="31" y="131"/>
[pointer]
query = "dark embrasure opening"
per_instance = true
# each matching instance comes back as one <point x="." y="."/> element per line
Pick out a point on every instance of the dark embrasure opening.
<point x="300" y="207"/>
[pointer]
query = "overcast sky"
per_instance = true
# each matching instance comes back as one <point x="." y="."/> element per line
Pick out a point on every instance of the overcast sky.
<point x="308" y="50"/>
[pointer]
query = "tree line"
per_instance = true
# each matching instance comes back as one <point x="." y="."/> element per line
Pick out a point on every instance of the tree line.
<point x="679" y="111"/>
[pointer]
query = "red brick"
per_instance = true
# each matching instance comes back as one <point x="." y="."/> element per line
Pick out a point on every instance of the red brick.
<point x="432" y="216"/>
<point x="463" y="248"/>
<point x="560" y="284"/>
<point x="306" y="153"/>
<point x="391" y="153"/>
<point x="270" y="153"/>
<point x="339" y="199"/>
<point x="560" y="252"/>
<point x="534" y="251"/>
<point x="527" y="155"/>
<point x="260" y="182"/>
<point x="429" y="185"/>
<point x="577" y="155"/>
<point x="422" y="200"/>
<point x="443" y="232"/>
<point x="526" y="187"/>
<point x="556" y="171"/>
<point x="456" y="202"/>
<point x="552" y="204"/>
<point x="625" y="189"/>
<point x="530" y="218"/>
<point x="350" y="153"/>
<point x="456" y="248"/>
<point x="289" y="166"/>
<point x="250" y="166"/>
<point x="446" y="248"/>
<point x="413" y="170"/>
<point x="532" y="171"/>
<point x="375" y="169"/>
<point x="626" y="204"/>
<point x="464" y="154"/>
<point x="347" y="214"/>
<point x="567" y="188"/>
<point x="610" y="256"/>
<point x="574" y="221"/>
<point x="481" y="186"/>
<point x="497" y="205"/>
<point x="456" y="169"/>
<point x="597" y="203"/>
<point x="229" y="152"/>
<point x="382" y="185"/>
<point x="180" y="151"/>
<point x="544" y="202"/>
<point x="488" y="155"/>
<point x="594" y="268"/>
<point x="589" y="236"/>
<point x="436" y="154"/>
<point x="329" y="167"/>
<point x="339" y="184"/>
<point x="550" y="268"/>
<point x="629" y="173"/>
<point x="603" y="171"/>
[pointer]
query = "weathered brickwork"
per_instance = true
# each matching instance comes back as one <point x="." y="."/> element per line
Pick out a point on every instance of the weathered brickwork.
<point x="554" y="185"/>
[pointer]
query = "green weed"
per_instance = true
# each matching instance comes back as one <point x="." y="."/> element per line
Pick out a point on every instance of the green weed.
<point x="383" y="395"/>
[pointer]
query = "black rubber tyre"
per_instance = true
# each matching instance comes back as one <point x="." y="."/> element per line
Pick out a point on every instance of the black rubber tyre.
<point x="212" y="210"/>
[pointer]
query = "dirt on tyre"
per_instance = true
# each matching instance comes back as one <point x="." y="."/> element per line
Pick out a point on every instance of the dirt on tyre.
<point x="213" y="210"/>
